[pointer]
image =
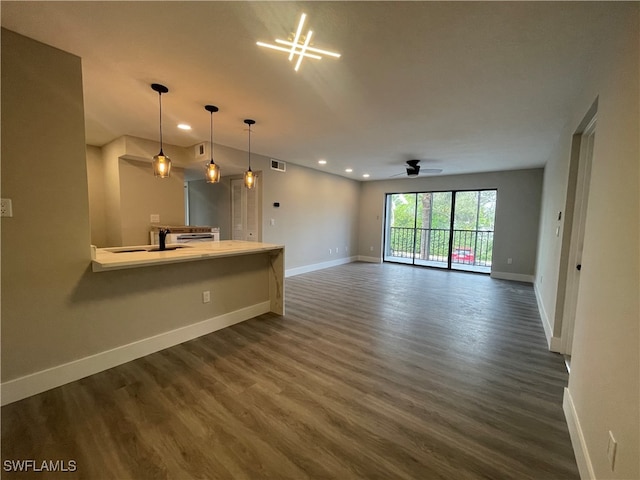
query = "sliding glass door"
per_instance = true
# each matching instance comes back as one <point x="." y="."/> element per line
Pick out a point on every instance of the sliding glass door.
<point x="441" y="229"/>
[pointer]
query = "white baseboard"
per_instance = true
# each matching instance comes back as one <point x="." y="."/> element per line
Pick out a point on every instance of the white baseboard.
<point x="362" y="258"/>
<point x="318" y="266"/>
<point x="23" y="387"/>
<point x="554" y="343"/>
<point x="516" y="277"/>
<point x="577" y="438"/>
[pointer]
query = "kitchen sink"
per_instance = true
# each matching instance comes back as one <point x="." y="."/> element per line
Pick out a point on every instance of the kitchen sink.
<point x="144" y="249"/>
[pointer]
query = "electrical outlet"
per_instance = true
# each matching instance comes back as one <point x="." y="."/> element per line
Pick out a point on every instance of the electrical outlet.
<point x="371" y="249"/>
<point x="206" y="296"/>
<point x="612" y="446"/>
<point x="336" y="249"/>
<point x="330" y="251"/>
<point x="6" y="208"/>
<point x="509" y="261"/>
<point x="154" y="218"/>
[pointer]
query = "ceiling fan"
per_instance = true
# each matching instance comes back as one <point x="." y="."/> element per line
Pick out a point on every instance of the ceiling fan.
<point x="413" y="169"/>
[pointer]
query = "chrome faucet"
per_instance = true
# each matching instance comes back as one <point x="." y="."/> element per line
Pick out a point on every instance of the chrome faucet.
<point x="162" y="236"/>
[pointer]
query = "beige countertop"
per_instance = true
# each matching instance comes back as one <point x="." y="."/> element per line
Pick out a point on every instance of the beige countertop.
<point x="117" y="258"/>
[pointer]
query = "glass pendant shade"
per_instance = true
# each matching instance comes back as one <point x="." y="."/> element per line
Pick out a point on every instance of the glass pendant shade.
<point x="249" y="179"/>
<point x="161" y="163"/>
<point x="211" y="170"/>
<point x="249" y="176"/>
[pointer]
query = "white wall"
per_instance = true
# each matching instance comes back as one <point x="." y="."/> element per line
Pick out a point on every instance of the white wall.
<point x="604" y="385"/>
<point x="517" y="214"/>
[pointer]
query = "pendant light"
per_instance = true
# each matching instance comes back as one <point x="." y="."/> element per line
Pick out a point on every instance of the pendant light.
<point x="161" y="163"/>
<point x="212" y="171"/>
<point x="249" y="176"/>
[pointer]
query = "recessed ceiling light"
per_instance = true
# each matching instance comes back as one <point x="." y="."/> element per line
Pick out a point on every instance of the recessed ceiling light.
<point x="300" y="46"/>
<point x="366" y="175"/>
<point x="184" y="126"/>
<point x="322" y="162"/>
<point x="348" y="170"/>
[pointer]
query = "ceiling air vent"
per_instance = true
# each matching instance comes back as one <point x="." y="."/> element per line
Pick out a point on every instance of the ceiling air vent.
<point x="279" y="166"/>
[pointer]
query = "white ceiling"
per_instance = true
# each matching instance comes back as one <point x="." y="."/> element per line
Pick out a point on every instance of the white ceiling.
<point x="463" y="86"/>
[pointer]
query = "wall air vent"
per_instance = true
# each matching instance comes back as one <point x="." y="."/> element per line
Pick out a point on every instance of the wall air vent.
<point x="279" y="166"/>
<point x="201" y="150"/>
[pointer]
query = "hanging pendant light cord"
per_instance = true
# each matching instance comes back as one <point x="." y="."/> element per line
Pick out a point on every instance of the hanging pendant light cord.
<point x="211" y="136"/>
<point x="249" y="147"/>
<point x="160" y="101"/>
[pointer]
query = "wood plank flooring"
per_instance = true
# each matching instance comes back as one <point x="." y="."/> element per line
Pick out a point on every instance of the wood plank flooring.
<point x="377" y="371"/>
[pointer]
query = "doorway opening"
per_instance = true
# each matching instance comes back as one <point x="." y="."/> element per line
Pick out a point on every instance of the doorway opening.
<point x="451" y="229"/>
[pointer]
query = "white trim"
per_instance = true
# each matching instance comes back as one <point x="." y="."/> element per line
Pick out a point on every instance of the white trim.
<point x="23" y="387"/>
<point x="516" y="277"/>
<point x="554" y="343"/>
<point x="362" y="258"/>
<point x="291" y="272"/>
<point x="580" y="450"/>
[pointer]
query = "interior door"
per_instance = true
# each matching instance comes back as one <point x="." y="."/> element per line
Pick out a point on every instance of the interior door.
<point x="577" y="236"/>
<point x="245" y="218"/>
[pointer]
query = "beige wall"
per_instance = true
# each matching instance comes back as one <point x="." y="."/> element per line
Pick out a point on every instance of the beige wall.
<point x="123" y="193"/>
<point x="54" y="308"/>
<point x="210" y="205"/>
<point x="605" y="370"/>
<point x="142" y="194"/>
<point x="97" y="203"/>
<point x="517" y="213"/>
<point x="317" y="212"/>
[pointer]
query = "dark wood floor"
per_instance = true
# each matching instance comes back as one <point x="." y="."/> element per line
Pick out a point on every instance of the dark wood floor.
<point x="376" y="372"/>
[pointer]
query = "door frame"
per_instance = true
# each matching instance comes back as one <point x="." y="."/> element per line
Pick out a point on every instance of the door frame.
<point x="579" y="205"/>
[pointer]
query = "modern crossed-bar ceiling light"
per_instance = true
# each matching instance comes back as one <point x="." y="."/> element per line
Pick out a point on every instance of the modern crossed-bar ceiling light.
<point x="299" y="46"/>
<point x="212" y="171"/>
<point x="249" y="176"/>
<point x="161" y="163"/>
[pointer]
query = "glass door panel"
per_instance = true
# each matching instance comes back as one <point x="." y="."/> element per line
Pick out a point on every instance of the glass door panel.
<point x="473" y="225"/>
<point x="441" y="229"/>
<point x="433" y="229"/>
<point x="400" y="228"/>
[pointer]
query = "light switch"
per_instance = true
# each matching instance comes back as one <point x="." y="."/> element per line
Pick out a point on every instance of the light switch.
<point x="154" y="218"/>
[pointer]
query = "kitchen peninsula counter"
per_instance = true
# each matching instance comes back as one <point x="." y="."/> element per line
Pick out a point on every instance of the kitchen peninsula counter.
<point x="117" y="258"/>
<point x="136" y="257"/>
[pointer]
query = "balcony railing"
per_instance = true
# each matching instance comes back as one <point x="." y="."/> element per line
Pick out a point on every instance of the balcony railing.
<point x="470" y="247"/>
